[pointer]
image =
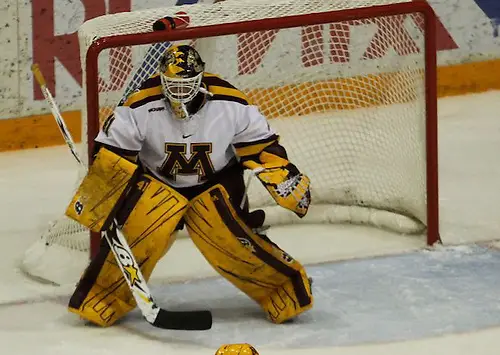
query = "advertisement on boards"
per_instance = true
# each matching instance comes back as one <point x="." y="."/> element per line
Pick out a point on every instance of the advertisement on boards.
<point x="45" y="32"/>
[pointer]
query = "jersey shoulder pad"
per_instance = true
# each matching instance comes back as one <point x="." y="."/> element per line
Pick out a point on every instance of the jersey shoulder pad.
<point x="223" y="90"/>
<point x="149" y="91"/>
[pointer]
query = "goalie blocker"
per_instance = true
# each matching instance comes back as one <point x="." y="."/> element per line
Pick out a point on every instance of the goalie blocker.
<point x="150" y="213"/>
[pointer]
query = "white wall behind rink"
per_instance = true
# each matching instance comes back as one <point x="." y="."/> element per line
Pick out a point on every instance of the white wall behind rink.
<point x="469" y="35"/>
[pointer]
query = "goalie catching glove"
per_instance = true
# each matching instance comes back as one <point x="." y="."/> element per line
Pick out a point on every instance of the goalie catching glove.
<point x="286" y="184"/>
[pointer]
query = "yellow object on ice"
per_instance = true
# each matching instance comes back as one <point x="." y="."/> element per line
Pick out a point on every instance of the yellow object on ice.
<point x="237" y="349"/>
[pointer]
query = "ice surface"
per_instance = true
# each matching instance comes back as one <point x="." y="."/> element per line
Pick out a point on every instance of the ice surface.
<point x="441" y="302"/>
<point x="410" y="296"/>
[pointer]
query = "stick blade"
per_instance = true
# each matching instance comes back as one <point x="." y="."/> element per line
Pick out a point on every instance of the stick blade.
<point x="189" y="320"/>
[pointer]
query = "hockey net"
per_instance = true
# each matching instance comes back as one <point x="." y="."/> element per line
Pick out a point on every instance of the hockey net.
<point x="350" y="88"/>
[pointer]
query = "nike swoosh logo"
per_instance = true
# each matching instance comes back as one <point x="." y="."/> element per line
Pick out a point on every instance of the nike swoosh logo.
<point x="186" y="136"/>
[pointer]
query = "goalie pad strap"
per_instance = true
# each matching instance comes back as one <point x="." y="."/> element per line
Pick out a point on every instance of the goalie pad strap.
<point x="294" y="275"/>
<point x="96" y="306"/>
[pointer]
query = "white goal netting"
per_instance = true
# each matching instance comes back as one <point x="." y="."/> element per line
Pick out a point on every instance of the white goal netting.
<point x="348" y="98"/>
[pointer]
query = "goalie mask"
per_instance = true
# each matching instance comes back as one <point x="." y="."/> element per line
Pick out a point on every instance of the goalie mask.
<point x="181" y="70"/>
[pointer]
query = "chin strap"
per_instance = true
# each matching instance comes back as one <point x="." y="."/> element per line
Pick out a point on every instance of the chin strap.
<point x="183" y="106"/>
<point x="205" y="91"/>
<point x="184" y="109"/>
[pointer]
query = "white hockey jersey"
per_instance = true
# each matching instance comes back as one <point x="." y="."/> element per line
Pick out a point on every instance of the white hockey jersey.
<point x="187" y="153"/>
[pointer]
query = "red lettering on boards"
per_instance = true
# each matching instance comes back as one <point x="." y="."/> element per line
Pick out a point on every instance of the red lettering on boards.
<point x="47" y="46"/>
<point x="390" y="33"/>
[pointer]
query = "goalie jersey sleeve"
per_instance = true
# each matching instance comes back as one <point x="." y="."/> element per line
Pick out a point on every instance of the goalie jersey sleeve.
<point x="123" y="131"/>
<point x="126" y="128"/>
<point x="250" y="129"/>
<point x="253" y="134"/>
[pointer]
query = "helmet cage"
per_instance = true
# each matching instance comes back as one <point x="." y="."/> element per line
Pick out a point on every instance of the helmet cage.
<point x="181" y="90"/>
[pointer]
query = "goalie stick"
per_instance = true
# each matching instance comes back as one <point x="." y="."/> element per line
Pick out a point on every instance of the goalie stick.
<point x="156" y="316"/>
<point x="55" y="112"/>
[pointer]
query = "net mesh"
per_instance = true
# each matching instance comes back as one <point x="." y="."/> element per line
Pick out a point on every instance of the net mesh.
<point x="347" y="98"/>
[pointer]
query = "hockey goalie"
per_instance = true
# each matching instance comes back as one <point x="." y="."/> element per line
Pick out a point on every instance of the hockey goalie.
<point x="173" y="155"/>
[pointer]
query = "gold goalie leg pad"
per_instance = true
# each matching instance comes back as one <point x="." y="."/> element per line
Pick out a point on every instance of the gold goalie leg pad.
<point x="251" y="262"/>
<point x="152" y="211"/>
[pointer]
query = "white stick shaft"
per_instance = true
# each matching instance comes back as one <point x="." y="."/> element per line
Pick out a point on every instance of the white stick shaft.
<point x="56" y="113"/>
<point x="252" y="173"/>
<point x="132" y="273"/>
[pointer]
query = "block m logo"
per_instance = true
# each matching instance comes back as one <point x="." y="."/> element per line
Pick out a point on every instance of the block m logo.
<point x="198" y="163"/>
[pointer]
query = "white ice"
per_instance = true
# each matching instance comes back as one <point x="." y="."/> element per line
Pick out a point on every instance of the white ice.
<point x="35" y="185"/>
